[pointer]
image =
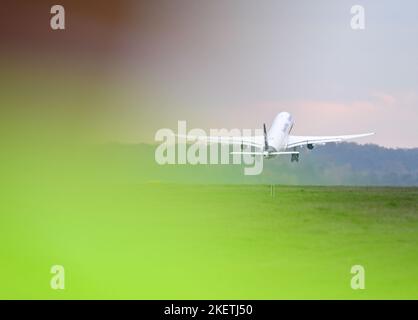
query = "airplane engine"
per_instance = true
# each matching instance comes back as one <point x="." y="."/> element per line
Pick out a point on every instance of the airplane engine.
<point x="310" y="146"/>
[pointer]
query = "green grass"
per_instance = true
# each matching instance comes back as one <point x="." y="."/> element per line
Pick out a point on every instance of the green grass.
<point x="208" y="242"/>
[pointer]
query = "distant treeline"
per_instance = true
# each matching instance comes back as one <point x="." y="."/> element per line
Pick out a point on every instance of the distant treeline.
<point x="331" y="164"/>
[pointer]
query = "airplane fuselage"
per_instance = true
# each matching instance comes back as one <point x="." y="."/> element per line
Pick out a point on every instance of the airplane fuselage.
<point x="279" y="131"/>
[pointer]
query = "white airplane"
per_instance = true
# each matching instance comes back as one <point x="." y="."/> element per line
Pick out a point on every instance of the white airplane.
<point x="277" y="141"/>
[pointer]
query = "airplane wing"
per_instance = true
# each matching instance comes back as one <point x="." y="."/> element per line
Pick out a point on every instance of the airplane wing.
<point x="251" y="141"/>
<point x="296" y="141"/>
<point x="260" y="153"/>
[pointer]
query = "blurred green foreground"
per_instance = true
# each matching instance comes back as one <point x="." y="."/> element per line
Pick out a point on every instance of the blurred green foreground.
<point x="169" y="241"/>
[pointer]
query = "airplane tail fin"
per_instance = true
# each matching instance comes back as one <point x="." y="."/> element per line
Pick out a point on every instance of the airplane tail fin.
<point x="266" y="145"/>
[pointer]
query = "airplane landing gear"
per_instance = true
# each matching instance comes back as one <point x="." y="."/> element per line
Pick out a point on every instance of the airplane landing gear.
<point x="295" y="157"/>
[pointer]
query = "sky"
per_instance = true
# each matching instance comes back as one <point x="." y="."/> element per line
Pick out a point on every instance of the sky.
<point x="234" y="63"/>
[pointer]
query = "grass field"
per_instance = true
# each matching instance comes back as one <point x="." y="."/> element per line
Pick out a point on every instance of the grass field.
<point x="157" y="241"/>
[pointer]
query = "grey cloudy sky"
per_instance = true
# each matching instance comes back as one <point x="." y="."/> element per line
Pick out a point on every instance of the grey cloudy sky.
<point x="236" y="63"/>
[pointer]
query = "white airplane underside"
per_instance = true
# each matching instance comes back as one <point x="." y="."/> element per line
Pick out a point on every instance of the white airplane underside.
<point x="277" y="140"/>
